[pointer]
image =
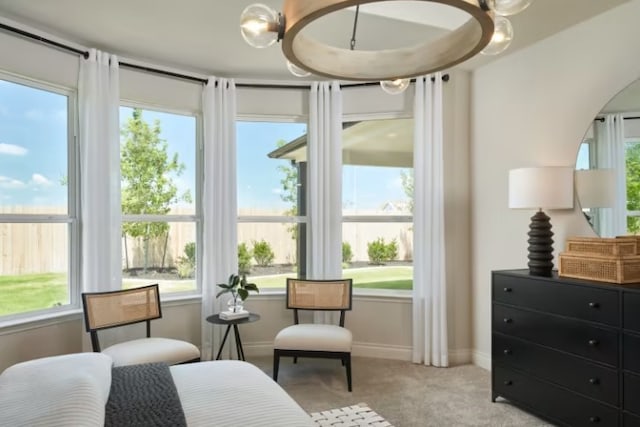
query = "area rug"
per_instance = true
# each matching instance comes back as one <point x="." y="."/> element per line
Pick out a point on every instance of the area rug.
<point x="350" y="416"/>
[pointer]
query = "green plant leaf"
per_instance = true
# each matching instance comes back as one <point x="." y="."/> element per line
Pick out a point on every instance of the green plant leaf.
<point x="251" y="287"/>
<point x="243" y="293"/>
<point x="222" y="292"/>
<point x="224" y="286"/>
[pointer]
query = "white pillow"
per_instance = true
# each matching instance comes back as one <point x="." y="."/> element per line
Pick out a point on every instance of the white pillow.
<point x="68" y="390"/>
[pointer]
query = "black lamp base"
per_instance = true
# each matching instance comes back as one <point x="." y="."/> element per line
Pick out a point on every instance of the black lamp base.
<point x="540" y="245"/>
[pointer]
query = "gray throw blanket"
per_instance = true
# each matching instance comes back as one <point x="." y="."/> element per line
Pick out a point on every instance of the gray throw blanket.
<point x="143" y="396"/>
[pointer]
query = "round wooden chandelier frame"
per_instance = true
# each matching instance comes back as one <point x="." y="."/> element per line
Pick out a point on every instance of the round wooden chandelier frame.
<point x="389" y="64"/>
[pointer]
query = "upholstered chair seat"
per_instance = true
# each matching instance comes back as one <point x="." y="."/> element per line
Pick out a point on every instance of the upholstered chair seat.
<point x="312" y="337"/>
<point x="151" y="350"/>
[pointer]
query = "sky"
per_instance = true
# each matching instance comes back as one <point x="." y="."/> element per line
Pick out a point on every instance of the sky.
<point x="33" y="157"/>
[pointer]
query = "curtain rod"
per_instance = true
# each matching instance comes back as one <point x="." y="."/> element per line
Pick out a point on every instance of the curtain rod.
<point x="601" y="119"/>
<point x="85" y="54"/>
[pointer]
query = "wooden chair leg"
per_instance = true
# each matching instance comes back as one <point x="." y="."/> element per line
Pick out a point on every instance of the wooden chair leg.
<point x="347" y="362"/>
<point x="276" y="364"/>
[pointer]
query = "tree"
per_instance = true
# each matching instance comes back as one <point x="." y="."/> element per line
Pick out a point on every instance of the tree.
<point x="289" y="194"/>
<point x="632" y="160"/>
<point x="407" y="186"/>
<point x="147" y="184"/>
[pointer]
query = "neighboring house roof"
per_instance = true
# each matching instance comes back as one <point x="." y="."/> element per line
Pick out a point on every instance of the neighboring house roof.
<point x="387" y="142"/>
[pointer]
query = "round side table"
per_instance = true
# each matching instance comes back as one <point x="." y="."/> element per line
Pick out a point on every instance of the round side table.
<point x="216" y="320"/>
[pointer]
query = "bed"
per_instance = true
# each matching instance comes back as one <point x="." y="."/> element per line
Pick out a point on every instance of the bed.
<point x="74" y="389"/>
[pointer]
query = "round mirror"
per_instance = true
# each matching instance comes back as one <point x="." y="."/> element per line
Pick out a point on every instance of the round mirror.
<point x="608" y="166"/>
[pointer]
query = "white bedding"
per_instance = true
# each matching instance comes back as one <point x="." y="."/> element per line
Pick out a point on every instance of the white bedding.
<point x="230" y="393"/>
<point x="72" y="390"/>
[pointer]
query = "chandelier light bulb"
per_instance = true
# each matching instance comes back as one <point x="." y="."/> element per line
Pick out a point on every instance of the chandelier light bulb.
<point x="258" y="25"/>
<point x="510" y="7"/>
<point x="297" y="71"/>
<point x="395" y="87"/>
<point x="501" y="39"/>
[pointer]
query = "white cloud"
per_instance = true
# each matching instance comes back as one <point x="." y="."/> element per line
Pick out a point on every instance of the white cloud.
<point x="276" y="190"/>
<point x="10" y="183"/>
<point x="40" y="180"/>
<point x="12" y="150"/>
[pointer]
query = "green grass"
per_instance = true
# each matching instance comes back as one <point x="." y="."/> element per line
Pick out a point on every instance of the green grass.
<point x="368" y="277"/>
<point x="30" y="292"/>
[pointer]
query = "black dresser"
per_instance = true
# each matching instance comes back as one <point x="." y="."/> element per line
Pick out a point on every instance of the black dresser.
<point x="567" y="350"/>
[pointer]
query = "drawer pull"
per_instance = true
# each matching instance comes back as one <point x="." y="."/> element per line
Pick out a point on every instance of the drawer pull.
<point x="508" y="382"/>
<point x="593" y="343"/>
<point x="507" y="289"/>
<point x="594" y="381"/>
<point x="594" y="305"/>
<point x="507" y="351"/>
<point x="594" y="419"/>
<point x="508" y="320"/>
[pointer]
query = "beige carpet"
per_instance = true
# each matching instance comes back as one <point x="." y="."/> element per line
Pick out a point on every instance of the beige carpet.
<point x="405" y="394"/>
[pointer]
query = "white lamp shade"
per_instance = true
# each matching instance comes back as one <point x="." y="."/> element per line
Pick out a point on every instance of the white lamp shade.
<point x="541" y="188"/>
<point x="596" y="188"/>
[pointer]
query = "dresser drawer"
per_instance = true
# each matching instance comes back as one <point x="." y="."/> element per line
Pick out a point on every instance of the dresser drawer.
<point x="551" y="401"/>
<point x="632" y="393"/>
<point x="631" y="420"/>
<point x="583" y="302"/>
<point x="631" y="352"/>
<point x="584" y="377"/>
<point x="631" y="302"/>
<point x="569" y="335"/>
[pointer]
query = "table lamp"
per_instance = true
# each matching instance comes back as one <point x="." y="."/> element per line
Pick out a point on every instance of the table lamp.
<point x="541" y="188"/>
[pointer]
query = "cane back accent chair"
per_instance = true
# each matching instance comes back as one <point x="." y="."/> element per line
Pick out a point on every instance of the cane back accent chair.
<point x="105" y="310"/>
<point x="316" y="340"/>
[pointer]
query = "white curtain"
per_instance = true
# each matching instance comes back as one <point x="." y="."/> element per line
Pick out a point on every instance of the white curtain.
<point x="219" y="202"/>
<point x="609" y="137"/>
<point x="325" y="186"/>
<point x="325" y="181"/>
<point x="429" y="276"/>
<point x="99" y="146"/>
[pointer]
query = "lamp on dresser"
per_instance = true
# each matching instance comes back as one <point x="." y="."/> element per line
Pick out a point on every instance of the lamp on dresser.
<point x="541" y="188"/>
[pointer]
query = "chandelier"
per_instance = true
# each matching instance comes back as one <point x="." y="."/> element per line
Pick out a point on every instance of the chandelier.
<point x="487" y="31"/>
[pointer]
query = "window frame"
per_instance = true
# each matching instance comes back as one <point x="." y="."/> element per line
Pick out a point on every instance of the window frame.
<point x="275" y="219"/>
<point x="71" y="218"/>
<point x="407" y="219"/>
<point x="196" y="217"/>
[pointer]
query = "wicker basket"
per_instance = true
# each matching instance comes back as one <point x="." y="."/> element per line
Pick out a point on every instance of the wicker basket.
<point x="619" y="246"/>
<point x="613" y="269"/>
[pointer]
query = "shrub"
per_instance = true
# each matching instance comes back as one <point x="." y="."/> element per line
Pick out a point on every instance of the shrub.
<point x="186" y="265"/>
<point x="347" y="254"/>
<point x="244" y="259"/>
<point x="379" y="251"/>
<point x="262" y="253"/>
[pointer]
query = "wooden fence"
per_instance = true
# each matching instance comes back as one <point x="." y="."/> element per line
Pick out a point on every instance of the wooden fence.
<point x="44" y="247"/>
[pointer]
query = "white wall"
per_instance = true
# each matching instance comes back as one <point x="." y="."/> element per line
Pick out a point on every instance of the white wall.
<point x="532" y="108"/>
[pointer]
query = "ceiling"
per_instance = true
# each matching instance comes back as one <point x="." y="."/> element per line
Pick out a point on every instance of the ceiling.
<point x="203" y="37"/>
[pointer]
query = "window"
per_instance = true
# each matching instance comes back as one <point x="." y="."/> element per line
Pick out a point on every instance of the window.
<point x="377" y="203"/>
<point x="38" y="223"/>
<point x="160" y="223"/>
<point x="271" y="170"/>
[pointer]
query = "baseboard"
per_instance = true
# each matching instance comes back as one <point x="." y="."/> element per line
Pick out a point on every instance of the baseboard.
<point x="482" y="359"/>
<point x="460" y="357"/>
<point x="381" y="351"/>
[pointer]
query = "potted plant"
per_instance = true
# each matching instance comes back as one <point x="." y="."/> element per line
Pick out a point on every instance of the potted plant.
<point x="239" y="289"/>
